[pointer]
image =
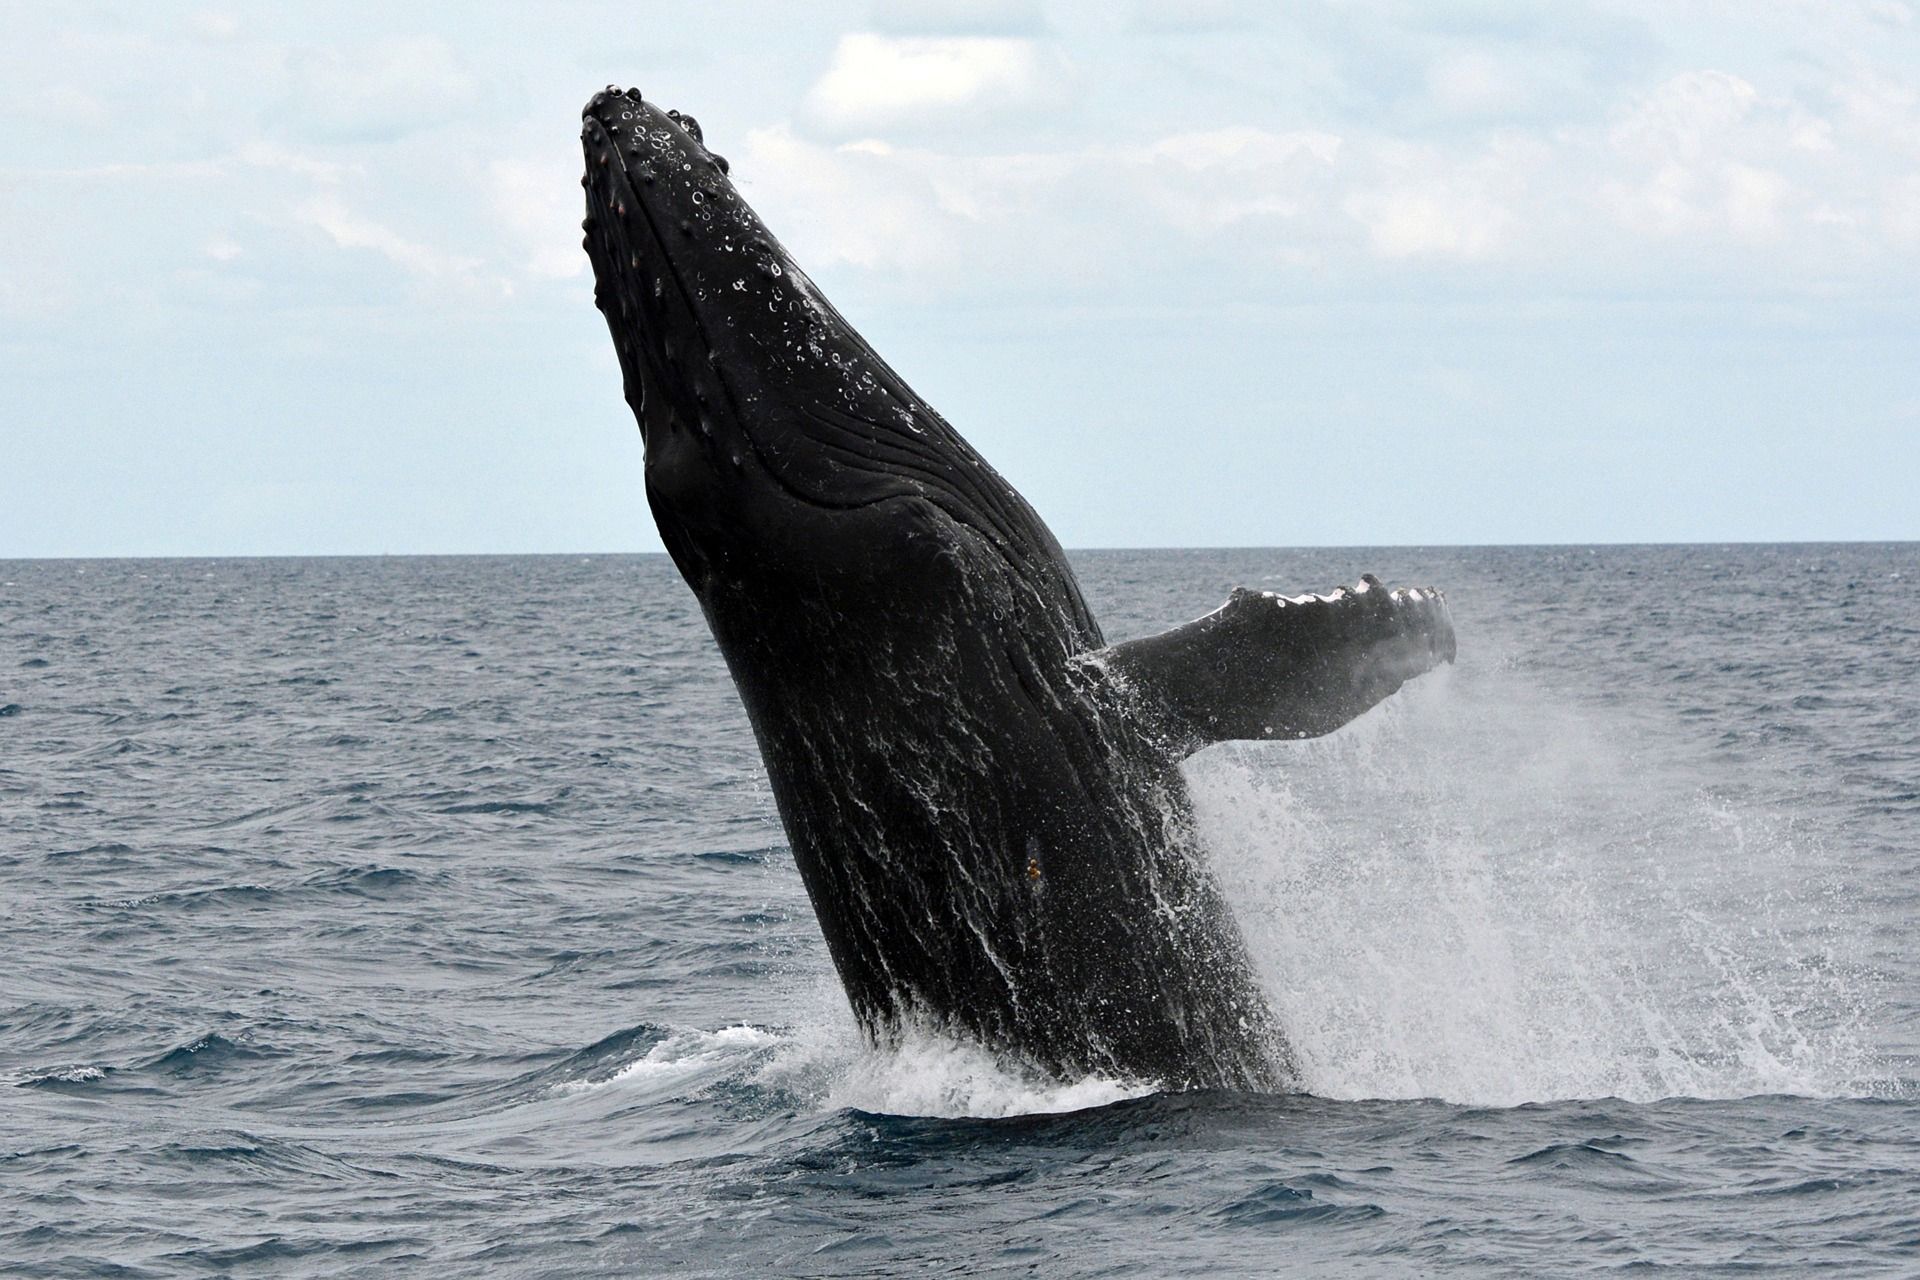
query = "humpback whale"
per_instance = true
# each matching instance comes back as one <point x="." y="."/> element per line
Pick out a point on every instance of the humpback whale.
<point x="983" y="797"/>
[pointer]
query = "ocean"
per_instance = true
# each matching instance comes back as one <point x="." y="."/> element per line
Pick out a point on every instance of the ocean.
<point x="432" y="916"/>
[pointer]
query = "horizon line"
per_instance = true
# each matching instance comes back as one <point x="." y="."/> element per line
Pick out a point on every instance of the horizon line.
<point x="1321" y="546"/>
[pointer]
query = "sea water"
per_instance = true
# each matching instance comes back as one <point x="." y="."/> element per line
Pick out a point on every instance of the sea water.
<point x="365" y="915"/>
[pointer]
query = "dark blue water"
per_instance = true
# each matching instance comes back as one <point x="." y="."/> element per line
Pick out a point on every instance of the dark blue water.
<point x="433" y="915"/>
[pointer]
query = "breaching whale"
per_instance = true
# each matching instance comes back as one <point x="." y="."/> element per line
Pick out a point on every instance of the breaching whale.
<point x="983" y="798"/>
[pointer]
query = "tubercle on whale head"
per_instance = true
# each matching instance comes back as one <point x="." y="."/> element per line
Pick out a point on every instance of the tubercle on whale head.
<point x="724" y="344"/>
<point x="647" y="177"/>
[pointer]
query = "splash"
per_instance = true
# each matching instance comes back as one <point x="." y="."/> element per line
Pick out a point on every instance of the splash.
<point x="933" y="1075"/>
<point x="1480" y="894"/>
<point x="822" y="1064"/>
<point x="929" y="1073"/>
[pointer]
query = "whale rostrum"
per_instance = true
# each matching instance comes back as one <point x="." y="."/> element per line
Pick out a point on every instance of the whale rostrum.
<point x="984" y="799"/>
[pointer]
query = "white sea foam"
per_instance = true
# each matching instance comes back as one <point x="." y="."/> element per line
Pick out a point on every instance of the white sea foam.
<point x="829" y="1066"/>
<point x="825" y="1064"/>
<point x="1481" y="895"/>
<point x="933" y="1075"/>
<point x="79" y="1074"/>
<point x="683" y="1056"/>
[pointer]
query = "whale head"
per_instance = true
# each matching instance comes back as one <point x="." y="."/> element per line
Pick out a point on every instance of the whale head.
<point x="708" y="312"/>
<point x="760" y="406"/>
<point x="743" y="378"/>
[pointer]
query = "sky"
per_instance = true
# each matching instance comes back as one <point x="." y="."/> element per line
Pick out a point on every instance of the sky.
<point x="306" y="278"/>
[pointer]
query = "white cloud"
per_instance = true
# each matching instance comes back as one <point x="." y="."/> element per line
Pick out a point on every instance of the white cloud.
<point x="212" y="25"/>
<point x="1684" y="117"/>
<point x="1244" y="148"/>
<point x="862" y="204"/>
<point x="349" y="230"/>
<point x="66" y="105"/>
<point x="271" y="155"/>
<point x="1754" y="198"/>
<point x="877" y="83"/>
<point x="1708" y="157"/>
<point x="1199" y="183"/>
<point x="1489" y="79"/>
<point x="1698" y="172"/>
<point x="1430" y="222"/>
<point x="1900" y="213"/>
<point x="1880" y="111"/>
<point x="960" y="221"/>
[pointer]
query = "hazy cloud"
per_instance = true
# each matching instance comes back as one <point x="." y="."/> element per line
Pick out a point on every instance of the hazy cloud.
<point x="213" y="25"/>
<point x="1187" y="17"/>
<point x="958" y="17"/>
<point x="352" y="231"/>
<point x="537" y="201"/>
<point x="229" y="195"/>
<point x="878" y="83"/>
<point x="378" y="91"/>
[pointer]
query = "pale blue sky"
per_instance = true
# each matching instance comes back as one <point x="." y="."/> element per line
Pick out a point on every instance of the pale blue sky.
<point x="306" y="278"/>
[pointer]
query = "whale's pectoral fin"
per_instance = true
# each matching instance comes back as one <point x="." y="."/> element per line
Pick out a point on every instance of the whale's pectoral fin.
<point x="1270" y="666"/>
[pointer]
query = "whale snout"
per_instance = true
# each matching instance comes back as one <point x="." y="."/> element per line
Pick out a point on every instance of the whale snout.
<point x="649" y="167"/>
<point x="613" y="93"/>
<point x="623" y="121"/>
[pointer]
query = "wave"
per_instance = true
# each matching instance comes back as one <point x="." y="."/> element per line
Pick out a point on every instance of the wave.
<point x="682" y="1056"/>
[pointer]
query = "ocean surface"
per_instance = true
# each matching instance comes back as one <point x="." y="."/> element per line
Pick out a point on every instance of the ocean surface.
<point x="432" y="916"/>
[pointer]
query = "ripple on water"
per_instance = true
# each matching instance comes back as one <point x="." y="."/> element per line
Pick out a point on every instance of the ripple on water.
<point x="334" y="949"/>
